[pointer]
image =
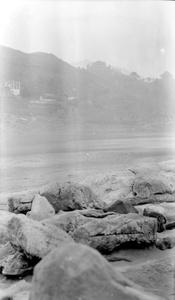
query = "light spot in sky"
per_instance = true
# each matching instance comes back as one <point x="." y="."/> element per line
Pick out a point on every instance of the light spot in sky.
<point x="162" y="50"/>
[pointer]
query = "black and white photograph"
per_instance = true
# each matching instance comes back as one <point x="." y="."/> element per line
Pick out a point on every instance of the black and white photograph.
<point x="87" y="150"/>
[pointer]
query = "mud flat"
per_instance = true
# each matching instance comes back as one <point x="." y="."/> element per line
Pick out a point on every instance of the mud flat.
<point x="25" y="166"/>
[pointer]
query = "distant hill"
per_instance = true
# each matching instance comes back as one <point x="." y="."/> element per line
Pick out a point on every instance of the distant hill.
<point x="82" y="63"/>
<point x="99" y="96"/>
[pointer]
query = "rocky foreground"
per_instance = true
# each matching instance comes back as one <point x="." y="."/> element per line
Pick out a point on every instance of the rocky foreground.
<point x="65" y="231"/>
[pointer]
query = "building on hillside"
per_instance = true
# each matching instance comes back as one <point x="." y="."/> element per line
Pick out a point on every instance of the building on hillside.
<point x="14" y="87"/>
<point x="47" y="98"/>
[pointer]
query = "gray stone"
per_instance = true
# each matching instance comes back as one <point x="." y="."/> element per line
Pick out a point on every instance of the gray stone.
<point x="121" y="207"/>
<point x="161" y="220"/>
<point x="34" y="238"/>
<point x="41" y="209"/>
<point x="95" y="213"/>
<point x="22" y="200"/>
<point x="165" y="209"/>
<point x="165" y="240"/>
<point x="111" y="186"/>
<point x="17" y="265"/>
<point x="69" y="196"/>
<point x="140" y="185"/>
<point x="24" y="207"/>
<point x="75" y="272"/>
<point x="67" y="221"/>
<point x="108" y="233"/>
<point x="5" y="217"/>
<point x="5" y="251"/>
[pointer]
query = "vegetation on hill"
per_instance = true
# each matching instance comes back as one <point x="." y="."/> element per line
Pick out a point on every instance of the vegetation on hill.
<point x="100" y="94"/>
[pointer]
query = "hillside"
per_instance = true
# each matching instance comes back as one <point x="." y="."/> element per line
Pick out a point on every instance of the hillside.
<point x="99" y="97"/>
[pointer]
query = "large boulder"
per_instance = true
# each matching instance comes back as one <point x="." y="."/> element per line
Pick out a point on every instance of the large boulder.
<point x="70" y="221"/>
<point x="34" y="238"/>
<point x="41" y="209"/>
<point x="142" y="184"/>
<point x="154" y="182"/>
<point x="69" y="196"/>
<point x="5" y="217"/>
<point x="78" y="272"/>
<point x="112" y="186"/>
<point x="108" y="233"/>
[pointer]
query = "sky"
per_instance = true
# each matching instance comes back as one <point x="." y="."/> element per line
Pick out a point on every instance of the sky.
<point x="135" y="35"/>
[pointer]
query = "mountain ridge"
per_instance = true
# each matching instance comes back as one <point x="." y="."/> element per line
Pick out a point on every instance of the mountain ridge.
<point x="99" y="95"/>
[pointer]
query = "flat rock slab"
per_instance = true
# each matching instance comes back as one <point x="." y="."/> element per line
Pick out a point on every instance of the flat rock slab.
<point x="67" y="221"/>
<point x="34" y="238"/>
<point x="108" y="233"/>
<point x="78" y="272"/>
<point x="96" y="213"/>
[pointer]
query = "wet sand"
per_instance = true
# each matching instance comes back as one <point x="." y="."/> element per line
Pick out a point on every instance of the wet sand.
<point x="25" y="168"/>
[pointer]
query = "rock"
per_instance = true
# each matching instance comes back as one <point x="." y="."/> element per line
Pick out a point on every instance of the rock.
<point x="41" y="209"/>
<point x="5" y="251"/>
<point x="78" y="272"/>
<point x="7" y="298"/>
<point x="140" y="185"/>
<point x="24" y="207"/>
<point x="67" y="221"/>
<point x="5" y="217"/>
<point x="34" y="238"/>
<point x="165" y="209"/>
<point x="111" y="186"/>
<point x="165" y="240"/>
<point x="108" y="233"/>
<point x="154" y="182"/>
<point x="95" y="213"/>
<point x="161" y="220"/>
<point x="121" y="207"/>
<point x="69" y="196"/>
<point x="21" y="202"/>
<point x="17" y="265"/>
<point x="20" y="290"/>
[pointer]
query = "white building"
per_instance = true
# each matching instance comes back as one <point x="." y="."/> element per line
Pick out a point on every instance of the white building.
<point x="14" y="87"/>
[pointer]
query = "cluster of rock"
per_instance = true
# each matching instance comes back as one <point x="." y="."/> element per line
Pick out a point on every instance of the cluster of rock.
<point x="60" y="223"/>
